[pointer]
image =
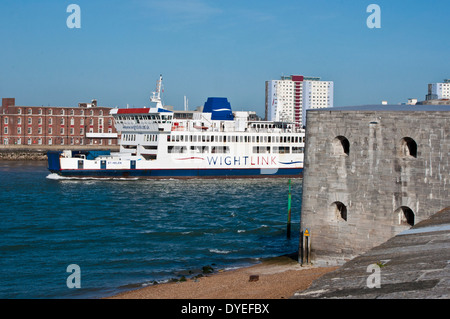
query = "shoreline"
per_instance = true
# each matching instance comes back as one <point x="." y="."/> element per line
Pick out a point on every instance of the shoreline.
<point x="39" y="152"/>
<point x="273" y="278"/>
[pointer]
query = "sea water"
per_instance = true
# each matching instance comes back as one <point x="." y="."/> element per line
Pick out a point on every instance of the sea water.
<point x="126" y="234"/>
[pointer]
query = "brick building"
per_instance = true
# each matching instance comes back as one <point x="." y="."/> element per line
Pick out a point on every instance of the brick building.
<point x="87" y="124"/>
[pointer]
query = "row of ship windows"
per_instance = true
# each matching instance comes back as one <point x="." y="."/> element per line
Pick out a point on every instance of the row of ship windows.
<point x="147" y="137"/>
<point x="235" y="139"/>
<point x="226" y="149"/>
<point x="220" y="138"/>
<point x="137" y="118"/>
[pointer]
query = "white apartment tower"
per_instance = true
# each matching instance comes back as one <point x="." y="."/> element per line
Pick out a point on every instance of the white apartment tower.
<point x="288" y="99"/>
<point x="438" y="91"/>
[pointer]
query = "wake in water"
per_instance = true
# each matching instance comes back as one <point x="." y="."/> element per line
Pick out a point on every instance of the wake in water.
<point x="54" y="176"/>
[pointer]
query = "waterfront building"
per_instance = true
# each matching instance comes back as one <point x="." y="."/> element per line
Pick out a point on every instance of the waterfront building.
<point x="288" y="99"/>
<point x="370" y="173"/>
<point x="438" y="91"/>
<point x="87" y="124"/>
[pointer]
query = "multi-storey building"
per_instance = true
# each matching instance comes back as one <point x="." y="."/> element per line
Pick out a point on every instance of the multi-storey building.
<point x="87" y="124"/>
<point x="288" y="99"/>
<point x="438" y="91"/>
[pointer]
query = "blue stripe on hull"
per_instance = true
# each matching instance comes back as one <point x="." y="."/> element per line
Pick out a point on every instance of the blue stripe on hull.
<point x="182" y="173"/>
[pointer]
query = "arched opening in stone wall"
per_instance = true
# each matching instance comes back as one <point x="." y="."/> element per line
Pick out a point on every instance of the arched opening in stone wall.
<point x="408" y="147"/>
<point x="340" y="211"/>
<point x="405" y="216"/>
<point x="341" y="146"/>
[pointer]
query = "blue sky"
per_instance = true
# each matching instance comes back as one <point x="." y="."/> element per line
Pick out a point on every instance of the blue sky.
<point x="223" y="48"/>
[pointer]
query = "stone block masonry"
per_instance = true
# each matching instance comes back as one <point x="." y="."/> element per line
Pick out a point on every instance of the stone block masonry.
<point x="370" y="173"/>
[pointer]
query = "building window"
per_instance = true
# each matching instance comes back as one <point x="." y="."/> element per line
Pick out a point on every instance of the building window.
<point x="404" y="216"/>
<point x="341" y="146"/>
<point x="408" y="147"/>
<point x="30" y="120"/>
<point x="6" y="120"/>
<point x="50" y="112"/>
<point x="6" y="130"/>
<point x="339" y="211"/>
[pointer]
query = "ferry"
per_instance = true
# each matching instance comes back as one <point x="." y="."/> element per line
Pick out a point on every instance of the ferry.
<point x="216" y="142"/>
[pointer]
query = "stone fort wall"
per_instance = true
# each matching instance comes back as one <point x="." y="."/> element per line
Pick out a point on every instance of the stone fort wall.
<point x="371" y="173"/>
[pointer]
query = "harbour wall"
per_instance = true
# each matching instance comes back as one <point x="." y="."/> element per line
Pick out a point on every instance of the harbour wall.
<point x="371" y="173"/>
<point x="39" y="153"/>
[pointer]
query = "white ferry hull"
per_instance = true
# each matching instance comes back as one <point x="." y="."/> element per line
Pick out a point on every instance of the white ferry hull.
<point x="183" y="167"/>
<point x="215" y="142"/>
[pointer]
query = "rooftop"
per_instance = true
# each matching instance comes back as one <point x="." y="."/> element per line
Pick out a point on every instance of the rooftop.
<point x="390" y="108"/>
<point x="413" y="264"/>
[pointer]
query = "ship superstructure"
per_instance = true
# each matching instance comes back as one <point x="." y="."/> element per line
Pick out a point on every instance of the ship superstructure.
<point x="216" y="142"/>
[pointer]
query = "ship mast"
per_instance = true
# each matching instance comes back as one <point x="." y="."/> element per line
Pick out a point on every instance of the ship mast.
<point x="156" y="97"/>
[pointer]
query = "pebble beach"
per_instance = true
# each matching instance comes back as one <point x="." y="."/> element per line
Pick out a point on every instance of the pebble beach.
<point x="275" y="278"/>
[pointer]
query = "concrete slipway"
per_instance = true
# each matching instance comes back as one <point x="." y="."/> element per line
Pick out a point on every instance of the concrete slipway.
<point x="415" y="264"/>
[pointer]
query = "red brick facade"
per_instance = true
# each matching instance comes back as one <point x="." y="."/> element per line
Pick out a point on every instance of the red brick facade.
<point x="87" y="124"/>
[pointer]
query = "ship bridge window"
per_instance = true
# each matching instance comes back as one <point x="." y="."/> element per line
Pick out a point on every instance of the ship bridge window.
<point x="297" y="149"/>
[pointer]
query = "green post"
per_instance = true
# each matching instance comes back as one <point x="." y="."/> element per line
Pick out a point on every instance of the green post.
<point x="289" y="213"/>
